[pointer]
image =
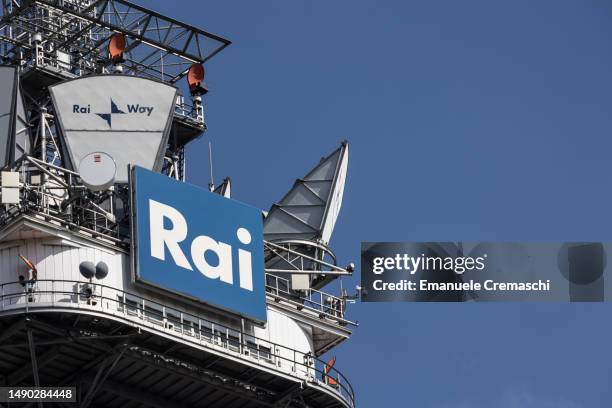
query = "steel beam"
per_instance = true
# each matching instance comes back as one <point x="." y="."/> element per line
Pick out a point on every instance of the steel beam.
<point x="67" y="340"/>
<point x="144" y="397"/>
<point x="101" y="376"/>
<point x="34" y="362"/>
<point x="41" y="361"/>
<point x="12" y="329"/>
<point x="243" y="393"/>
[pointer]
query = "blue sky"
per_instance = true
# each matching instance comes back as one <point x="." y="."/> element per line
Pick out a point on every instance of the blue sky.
<point x="471" y="120"/>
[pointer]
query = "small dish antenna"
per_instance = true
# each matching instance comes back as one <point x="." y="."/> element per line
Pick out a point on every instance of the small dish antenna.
<point x="97" y="171"/>
<point x="87" y="269"/>
<point x="90" y="271"/>
<point x="195" y="79"/>
<point x="101" y="270"/>
<point x="116" y="46"/>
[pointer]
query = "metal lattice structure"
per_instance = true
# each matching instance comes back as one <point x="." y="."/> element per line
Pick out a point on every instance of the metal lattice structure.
<point x="55" y="40"/>
<point x="159" y="47"/>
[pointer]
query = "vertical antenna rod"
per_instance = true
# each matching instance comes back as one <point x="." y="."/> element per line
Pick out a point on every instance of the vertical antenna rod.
<point x="211" y="185"/>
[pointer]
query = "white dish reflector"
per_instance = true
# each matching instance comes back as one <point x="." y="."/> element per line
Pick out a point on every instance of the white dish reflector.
<point x="97" y="171"/>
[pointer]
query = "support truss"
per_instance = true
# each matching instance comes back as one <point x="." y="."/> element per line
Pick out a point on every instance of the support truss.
<point x="75" y="34"/>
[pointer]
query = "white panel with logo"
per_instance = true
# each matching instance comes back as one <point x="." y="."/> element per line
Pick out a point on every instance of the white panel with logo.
<point x="126" y="117"/>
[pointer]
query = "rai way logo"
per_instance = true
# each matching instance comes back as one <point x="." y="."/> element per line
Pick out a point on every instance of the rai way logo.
<point x="114" y="110"/>
<point x="108" y="117"/>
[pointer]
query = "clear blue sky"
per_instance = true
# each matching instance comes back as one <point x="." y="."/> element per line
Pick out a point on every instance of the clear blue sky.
<point x="468" y="120"/>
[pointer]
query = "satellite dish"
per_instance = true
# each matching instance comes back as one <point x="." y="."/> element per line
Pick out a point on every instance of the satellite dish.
<point x="116" y="46"/>
<point x="195" y="79"/>
<point x="97" y="171"/>
<point x="101" y="270"/>
<point x="87" y="269"/>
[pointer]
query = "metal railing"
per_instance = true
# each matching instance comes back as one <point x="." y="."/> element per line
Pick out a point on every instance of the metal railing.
<point x="104" y="299"/>
<point x="293" y="256"/>
<point x="316" y="300"/>
<point x="184" y="109"/>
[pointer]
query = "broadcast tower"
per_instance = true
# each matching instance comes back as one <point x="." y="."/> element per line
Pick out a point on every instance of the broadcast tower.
<point x="97" y="99"/>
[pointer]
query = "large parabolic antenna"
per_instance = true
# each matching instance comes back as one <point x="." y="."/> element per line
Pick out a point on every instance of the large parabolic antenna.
<point x="304" y="219"/>
<point x="127" y="117"/>
<point x="14" y="132"/>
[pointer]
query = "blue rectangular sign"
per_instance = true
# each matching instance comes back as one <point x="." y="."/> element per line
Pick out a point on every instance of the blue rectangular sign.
<point x="199" y="244"/>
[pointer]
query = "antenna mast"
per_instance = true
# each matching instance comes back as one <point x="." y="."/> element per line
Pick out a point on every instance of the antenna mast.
<point x="211" y="185"/>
